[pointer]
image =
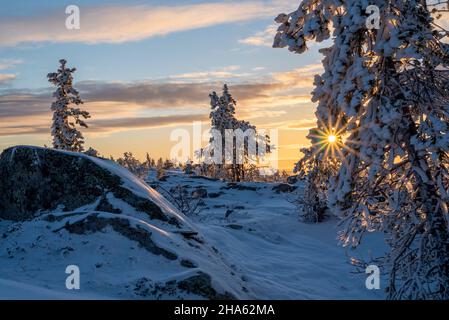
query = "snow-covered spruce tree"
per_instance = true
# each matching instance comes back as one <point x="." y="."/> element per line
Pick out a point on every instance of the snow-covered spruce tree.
<point x="92" y="152"/>
<point x="65" y="117"/>
<point x="149" y="163"/>
<point x="223" y="118"/>
<point x="160" y="163"/>
<point x="386" y="91"/>
<point x="168" y="164"/>
<point x="129" y="162"/>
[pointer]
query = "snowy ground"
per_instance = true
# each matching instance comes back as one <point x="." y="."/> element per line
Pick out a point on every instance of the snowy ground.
<point x="256" y="232"/>
<point x="281" y="257"/>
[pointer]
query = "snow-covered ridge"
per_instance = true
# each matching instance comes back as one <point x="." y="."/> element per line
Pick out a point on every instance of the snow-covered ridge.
<point x="122" y="252"/>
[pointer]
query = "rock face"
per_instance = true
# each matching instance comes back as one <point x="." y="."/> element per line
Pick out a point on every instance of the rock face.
<point x="37" y="179"/>
<point x="113" y="224"/>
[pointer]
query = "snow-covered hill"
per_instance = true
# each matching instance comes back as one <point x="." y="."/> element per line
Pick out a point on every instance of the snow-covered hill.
<point x="128" y="243"/>
<point x="246" y="242"/>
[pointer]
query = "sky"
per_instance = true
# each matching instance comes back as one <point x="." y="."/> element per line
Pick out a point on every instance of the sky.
<point x="146" y="68"/>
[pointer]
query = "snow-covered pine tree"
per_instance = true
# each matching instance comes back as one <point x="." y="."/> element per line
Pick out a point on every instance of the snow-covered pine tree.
<point x="65" y="117"/>
<point x="149" y="162"/>
<point x="160" y="163"/>
<point x="132" y="164"/>
<point x="168" y="164"/>
<point x="92" y="152"/>
<point x="223" y="118"/>
<point x="239" y="167"/>
<point x="386" y="91"/>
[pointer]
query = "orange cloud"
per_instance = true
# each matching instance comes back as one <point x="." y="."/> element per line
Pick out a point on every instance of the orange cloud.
<point x="6" y="77"/>
<point x="262" y="38"/>
<point x="118" y="106"/>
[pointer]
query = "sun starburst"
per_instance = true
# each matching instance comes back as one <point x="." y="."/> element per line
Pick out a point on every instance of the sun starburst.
<point x="331" y="140"/>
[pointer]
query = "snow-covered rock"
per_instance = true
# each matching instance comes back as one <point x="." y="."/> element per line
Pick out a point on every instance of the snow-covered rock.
<point x="62" y="208"/>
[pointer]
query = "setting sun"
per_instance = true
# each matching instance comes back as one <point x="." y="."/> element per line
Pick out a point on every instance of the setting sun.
<point x="331" y="138"/>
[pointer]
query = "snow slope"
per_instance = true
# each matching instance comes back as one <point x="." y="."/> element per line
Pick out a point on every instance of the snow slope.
<point x="252" y="244"/>
<point x="120" y="255"/>
<point x="280" y="257"/>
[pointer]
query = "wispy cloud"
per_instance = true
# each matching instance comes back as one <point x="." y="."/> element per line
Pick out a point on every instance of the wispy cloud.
<point x="213" y="75"/>
<point x="117" y="106"/>
<point x="9" y="63"/>
<point x="6" y="78"/>
<point x="108" y="125"/>
<point x="101" y="126"/>
<point x="118" y="24"/>
<point x="300" y="77"/>
<point x="298" y="125"/>
<point x="263" y="38"/>
<point x="294" y="146"/>
<point x="303" y="124"/>
<point x="6" y="64"/>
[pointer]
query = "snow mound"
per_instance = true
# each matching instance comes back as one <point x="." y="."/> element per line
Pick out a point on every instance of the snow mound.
<point x="63" y="208"/>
